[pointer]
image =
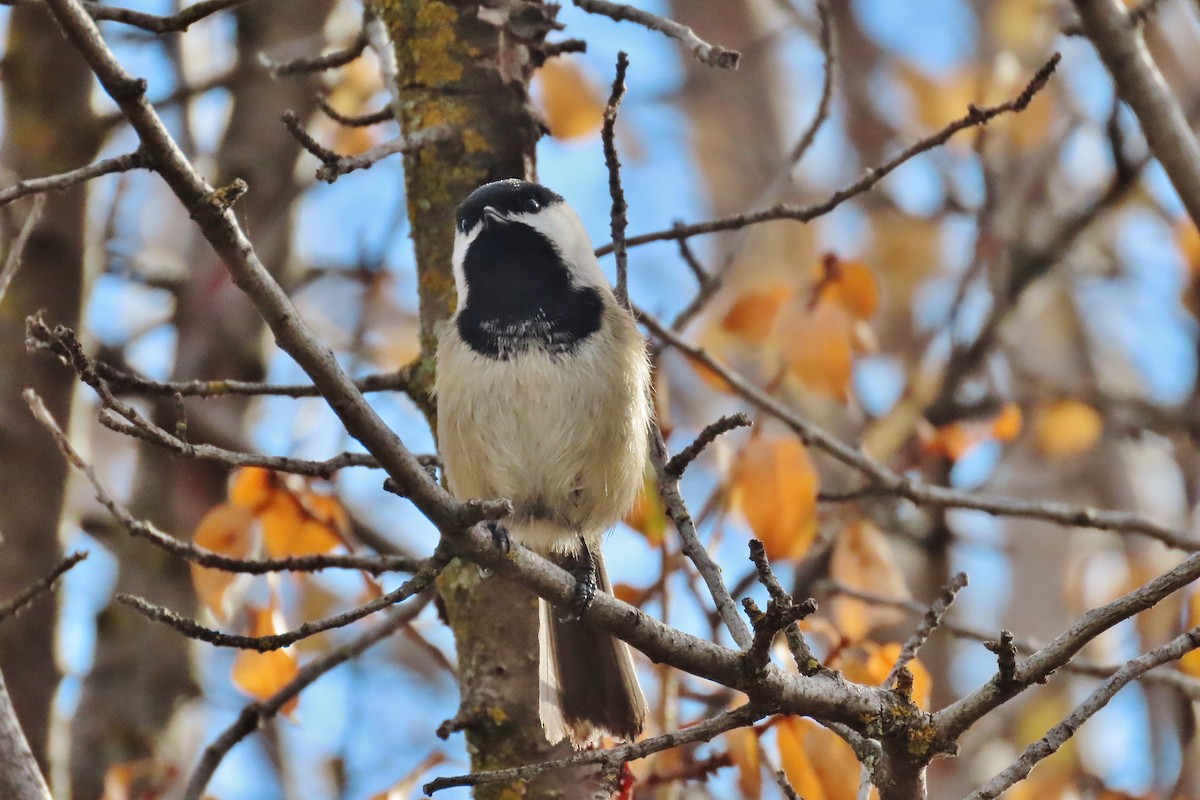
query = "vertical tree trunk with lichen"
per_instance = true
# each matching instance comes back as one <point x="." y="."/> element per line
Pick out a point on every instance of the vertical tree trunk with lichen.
<point x="468" y="65"/>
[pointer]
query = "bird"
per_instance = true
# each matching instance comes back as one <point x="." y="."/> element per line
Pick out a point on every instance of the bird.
<point x="543" y="399"/>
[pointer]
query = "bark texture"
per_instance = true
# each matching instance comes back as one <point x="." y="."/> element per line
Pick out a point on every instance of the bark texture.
<point x="468" y="65"/>
<point x="49" y="128"/>
<point x="20" y="778"/>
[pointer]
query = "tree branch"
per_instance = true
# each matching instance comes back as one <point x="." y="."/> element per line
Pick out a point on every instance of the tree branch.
<point x="974" y="117"/>
<point x="1057" y="736"/>
<point x="65" y="180"/>
<point x="1118" y="40"/>
<point x="710" y="54"/>
<point x="13" y="605"/>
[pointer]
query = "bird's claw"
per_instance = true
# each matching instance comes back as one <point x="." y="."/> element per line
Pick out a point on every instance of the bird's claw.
<point x="500" y="537"/>
<point x="584" y="571"/>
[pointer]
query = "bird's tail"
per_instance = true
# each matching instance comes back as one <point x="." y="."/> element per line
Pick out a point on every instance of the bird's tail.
<point x="588" y="687"/>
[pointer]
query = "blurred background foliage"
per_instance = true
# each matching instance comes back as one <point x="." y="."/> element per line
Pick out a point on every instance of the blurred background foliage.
<point x="1013" y="312"/>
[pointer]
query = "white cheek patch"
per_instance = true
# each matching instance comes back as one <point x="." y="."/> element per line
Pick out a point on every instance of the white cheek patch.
<point x="563" y="227"/>
<point x="462" y="241"/>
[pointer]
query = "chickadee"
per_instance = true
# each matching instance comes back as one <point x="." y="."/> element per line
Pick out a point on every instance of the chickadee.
<point x="542" y="387"/>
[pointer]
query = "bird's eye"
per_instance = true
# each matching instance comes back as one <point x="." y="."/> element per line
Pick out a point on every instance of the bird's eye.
<point x="462" y="226"/>
<point x="532" y="205"/>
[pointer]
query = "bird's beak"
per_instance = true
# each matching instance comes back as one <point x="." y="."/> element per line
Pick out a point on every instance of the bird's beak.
<point x="491" y="215"/>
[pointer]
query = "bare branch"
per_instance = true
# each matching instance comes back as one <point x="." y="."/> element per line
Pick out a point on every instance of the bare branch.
<point x="960" y="715"/>
<point x="172" y="23"/>
<point x="374" y="564"/>
<point x="974" y="117"/>
<point x="1057" y="736"/>
<point x="20" y="778"/>
<point x="700" y="732"/>
<point x="619" y="218"/>
<point x="681" y="461"/>
<point x="824" y="105"/>
<point x="65" y="180"/>
<point x="262" y="644"/>
<point x="16" y="250"/>
<point x="676" y="509"/>
<point x="331" y="60"/>
<point x="13" y="606"/>
<point x="901" y="486"/>
<point x="932" y="619"/>
<point x="359" y="121"/>
<point x="1118" y="40"/>
<point x="255" y="714"/>
<point x="806" y="662"/>
<point x="710" y="54"/>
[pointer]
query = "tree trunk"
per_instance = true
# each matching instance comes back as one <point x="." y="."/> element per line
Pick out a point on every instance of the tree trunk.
<point x="49" y="128"/>
<point x="454" y="68"/>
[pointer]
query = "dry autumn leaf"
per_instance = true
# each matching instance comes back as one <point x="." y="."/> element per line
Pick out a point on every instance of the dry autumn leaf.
<point x="1187" y="239"/>
<point x="1067" y="428"/>
<point x="818" y="764"/>
<point x="261" y="675"/>
<point x="227" y="529"/>
<point x="570" y="103"/>
<point x="775" y="485"/>
<point x="1190" y="663"/>
<point x="862" y="559"/>
<point x="818" y="344"/>
<point x="648" y="517"/>
<point x="289" y="529"/>
<point x="753" y="315"/>
<point x="851" y="284"/>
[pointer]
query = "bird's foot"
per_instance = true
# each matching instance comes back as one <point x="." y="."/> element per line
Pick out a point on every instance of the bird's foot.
<point x="500" y="536"/>
<point x="584" y="571"/>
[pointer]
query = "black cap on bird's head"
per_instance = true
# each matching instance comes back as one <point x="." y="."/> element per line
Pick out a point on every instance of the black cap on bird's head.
<point x="500" y="201"/>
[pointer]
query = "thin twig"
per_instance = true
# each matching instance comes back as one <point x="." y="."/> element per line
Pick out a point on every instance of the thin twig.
<point x="691" y="545"/>
<point x="65" y="180"/>
<point x="262" y="644"/>
<point x="1057" y="736"/>
<point x="682" y="460"/>
<point x="254" y="715"/>
<point x="13" y="605"/>
<point x="374" y="564"/>
<point x="710" y="54"/>
<point x="700" y="732"/>
<point x="16" y="250"/>
<point x="806" y="661"/>
<point x="901" y="486"/>
<point x="330" y="60"/>
<point x="974" y="117"/>
<point x="1006" y="658"/>
<point x="824" y="105"/>
<point x="356" y="121"/>
<point x="330" y="171"/>
<point x="618" y="215"/>
<point x="929" y="623"/>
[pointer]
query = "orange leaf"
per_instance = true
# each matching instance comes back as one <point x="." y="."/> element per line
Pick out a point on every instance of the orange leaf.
<point x="775" y="485"/>
<point x="1190" y="663"/>
<point x="252" y="487"/>
<point x="1067" y="428"/>
<point x="848" y="283"/>
<point x="648" y="517"/>
<point x="1006" y="425"/>
<point x="862" y="559"/>
<point x="818" y="764"/>
<point x="869" y="664"/>
<point x="818" y="344"/>
<point x="288" y="530"/>
<point x="261" y="675"/>
<point x="229" y="530"/>
<point x="742" y="745"/>
<point x="753" y="315"/>
<point x="571" y="104"/>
